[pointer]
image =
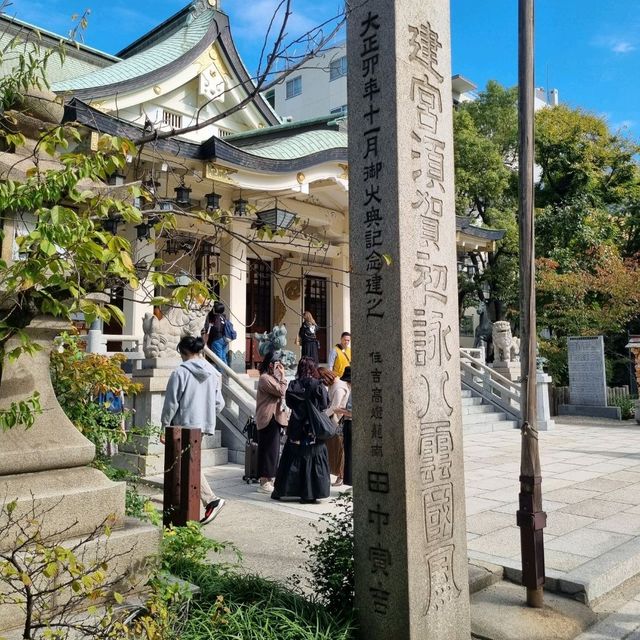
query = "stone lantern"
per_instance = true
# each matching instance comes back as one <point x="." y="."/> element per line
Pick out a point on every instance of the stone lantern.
<point x="634" y="346"/>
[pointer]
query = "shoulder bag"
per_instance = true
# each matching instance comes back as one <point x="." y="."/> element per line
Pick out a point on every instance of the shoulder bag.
<point x="321" y="424"/>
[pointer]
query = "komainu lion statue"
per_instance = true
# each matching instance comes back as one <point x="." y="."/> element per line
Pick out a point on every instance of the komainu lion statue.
<point x="276" y="341"/>
<point x="161" y="335"/>
<point x="515" y="349"/>
<point x="502" y="341"/>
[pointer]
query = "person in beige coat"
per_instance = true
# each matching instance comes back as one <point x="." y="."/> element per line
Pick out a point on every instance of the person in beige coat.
<point x="271" y="416"/>
<point x="338" y="396"/>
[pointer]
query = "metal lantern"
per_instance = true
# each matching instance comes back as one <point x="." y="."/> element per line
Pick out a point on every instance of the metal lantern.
<point x="276" y="218"/>
<point x="182" y="194"/>
<point x="150" y="184"/>
<point x="240" y="207"/>
<point x="110" y="225"/>
<point x="143" y="230"/>
<point x="165" y="205"/>
<point x="208" y="249"/>
<point x="116" y="179"/>
<point x="213" y="201"/>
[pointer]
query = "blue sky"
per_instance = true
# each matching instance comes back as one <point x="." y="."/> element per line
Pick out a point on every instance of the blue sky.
<point x="588" y="49"/>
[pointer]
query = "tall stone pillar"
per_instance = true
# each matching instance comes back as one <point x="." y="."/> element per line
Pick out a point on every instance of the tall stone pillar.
<point x="136" y="302"/>
<point x="340" y="302"/>
<point x="410" y="539"/>
<point x="233" y="264"/>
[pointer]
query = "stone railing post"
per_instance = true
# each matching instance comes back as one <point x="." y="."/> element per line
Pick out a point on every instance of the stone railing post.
<point x="544" y="421"/>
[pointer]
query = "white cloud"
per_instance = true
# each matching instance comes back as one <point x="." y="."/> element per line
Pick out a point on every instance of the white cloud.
<point x="615" y="44"/>
<point x="622" y="46"/>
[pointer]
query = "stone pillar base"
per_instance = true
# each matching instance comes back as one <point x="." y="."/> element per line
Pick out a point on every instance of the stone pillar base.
<point x="544" y="421"/>
<point x="510" y="370"/>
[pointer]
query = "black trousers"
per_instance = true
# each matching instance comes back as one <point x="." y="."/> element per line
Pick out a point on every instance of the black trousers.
<point x="346" y="439"/>
<point x="268" y="449"/>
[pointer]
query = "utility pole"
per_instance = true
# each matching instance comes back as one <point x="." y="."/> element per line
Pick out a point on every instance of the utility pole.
<point x="530" y="517"/>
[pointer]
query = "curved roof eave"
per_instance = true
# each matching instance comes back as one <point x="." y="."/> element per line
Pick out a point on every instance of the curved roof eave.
<point x="229" y="48"/>
<point x="218" y="29"/>
<point x="485" y="233"/>
<point x="136" y="82"/>
<point x="212" y="150"/>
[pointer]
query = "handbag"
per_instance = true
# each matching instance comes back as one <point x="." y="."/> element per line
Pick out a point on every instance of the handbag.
<point x="322" y="426"/>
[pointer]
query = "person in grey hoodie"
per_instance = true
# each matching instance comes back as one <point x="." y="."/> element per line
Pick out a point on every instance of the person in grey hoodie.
<point x="192" y="398"/>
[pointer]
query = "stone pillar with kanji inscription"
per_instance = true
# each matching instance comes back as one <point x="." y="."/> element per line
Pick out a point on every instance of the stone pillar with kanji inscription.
<point x="410" y="534"/>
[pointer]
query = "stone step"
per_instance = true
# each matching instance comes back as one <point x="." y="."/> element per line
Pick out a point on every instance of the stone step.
<point x="127" y="552"/>
<point x="144" y="445"/>
<point x="477" y="408"/>
<point x="489" y="416"/>
<point x="153" y="464"/>
<point x="69" y="502"/>
<point x="470" y="400"/>
<point x="466" y="393"/>
<point x="488" y="427"/>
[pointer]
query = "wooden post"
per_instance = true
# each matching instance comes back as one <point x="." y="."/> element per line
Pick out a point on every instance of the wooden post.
<point x="530" y="517"/>
<point x="172" y="468"/>
<point x="181" y="476"/>
<point x="190" y="474"/>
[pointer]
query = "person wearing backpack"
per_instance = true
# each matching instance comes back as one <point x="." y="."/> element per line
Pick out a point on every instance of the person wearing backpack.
<point x="303" y="471"/>
<point x="215" y="330"/>
<point x="230" y="335"/>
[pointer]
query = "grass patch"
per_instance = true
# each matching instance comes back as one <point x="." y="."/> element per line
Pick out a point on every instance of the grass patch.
<point x="237" y="606"/>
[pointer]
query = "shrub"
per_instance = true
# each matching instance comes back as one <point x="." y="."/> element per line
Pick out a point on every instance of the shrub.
<point x="627" y="406"/>
<point x="330" y="564"/>
<point x="232" y="605"/>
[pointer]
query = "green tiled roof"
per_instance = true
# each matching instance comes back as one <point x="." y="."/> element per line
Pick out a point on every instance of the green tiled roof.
<point x="148" y="60"/>
<point x="298" y="146"/>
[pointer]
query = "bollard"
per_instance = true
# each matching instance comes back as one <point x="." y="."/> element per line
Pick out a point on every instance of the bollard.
<point x="181" y="501"/>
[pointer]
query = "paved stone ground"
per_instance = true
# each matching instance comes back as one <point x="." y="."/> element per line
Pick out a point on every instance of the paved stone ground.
<point x="591" y="489"/>
<point x="591" y="493"/>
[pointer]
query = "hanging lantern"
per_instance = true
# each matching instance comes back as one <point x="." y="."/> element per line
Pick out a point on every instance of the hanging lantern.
<point x="240" y="207"/>
<point x="275" y="218"/>
<point x="110" y="225"/>
<point x="182" y="194"/>
<point x="213" y="201"/>
<point x="116" y="179"/>
<point x="143" y="230"/>
<point x="150" y="184"/>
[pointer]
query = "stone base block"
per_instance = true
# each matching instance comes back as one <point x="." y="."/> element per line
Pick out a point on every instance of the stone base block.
<point x="66" y="502"/>
<point x="153" y="464"/>
<point x="613" y="413"/>
<point x="128" y="552"/>
<point x="145" y="445"/>
<point x="510" y="370"/>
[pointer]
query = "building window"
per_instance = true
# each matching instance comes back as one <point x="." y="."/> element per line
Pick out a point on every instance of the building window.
<point x="294" y="87"/>
<point x="174" y="120"/>
<point x="338" y="68"/>
<point x="339" y="111"/>
<point x="270" y="97"/>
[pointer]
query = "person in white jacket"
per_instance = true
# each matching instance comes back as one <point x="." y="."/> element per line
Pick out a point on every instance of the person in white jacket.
<point x="192" y="398"/>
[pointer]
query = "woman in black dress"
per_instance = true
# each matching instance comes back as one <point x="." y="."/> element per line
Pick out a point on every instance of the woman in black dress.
<point x="307" y="337"/>
<point x="303" y="471"/>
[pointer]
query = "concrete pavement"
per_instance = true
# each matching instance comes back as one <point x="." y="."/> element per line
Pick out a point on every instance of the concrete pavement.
<point x="591" y="492"/>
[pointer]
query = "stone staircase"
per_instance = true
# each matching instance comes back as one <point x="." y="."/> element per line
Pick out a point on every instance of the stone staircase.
<point x="479" y="416"/>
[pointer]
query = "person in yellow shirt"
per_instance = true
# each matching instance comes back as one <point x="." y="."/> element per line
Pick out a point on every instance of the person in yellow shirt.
<point x="340" y="356"/>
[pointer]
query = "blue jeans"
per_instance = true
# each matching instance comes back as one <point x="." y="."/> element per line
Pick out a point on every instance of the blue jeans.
<point x="220" y="348"/>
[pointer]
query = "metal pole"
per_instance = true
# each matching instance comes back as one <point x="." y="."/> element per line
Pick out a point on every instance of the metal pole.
<point x="530" y="517"/>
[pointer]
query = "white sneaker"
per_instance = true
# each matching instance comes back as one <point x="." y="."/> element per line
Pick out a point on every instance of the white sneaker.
<point x="267" y="487"/>
<point x="212" y="510"/>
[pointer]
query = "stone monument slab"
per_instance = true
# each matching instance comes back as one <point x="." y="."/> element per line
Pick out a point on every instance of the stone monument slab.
<point x="587" y="379"/>
<point x="587" y="376"/>
<point x="409" y="511"/>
